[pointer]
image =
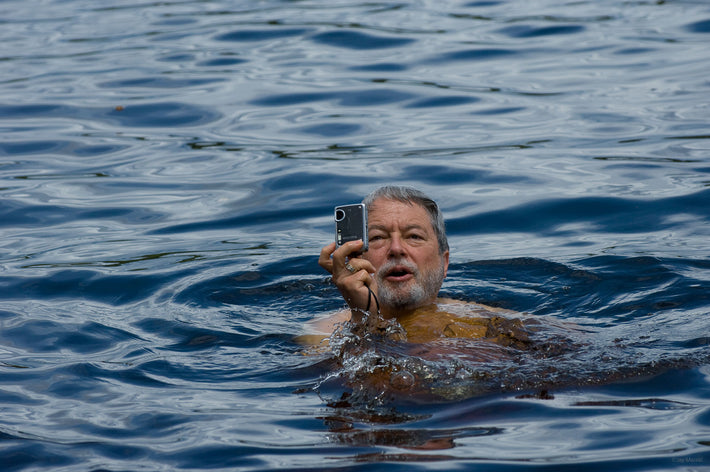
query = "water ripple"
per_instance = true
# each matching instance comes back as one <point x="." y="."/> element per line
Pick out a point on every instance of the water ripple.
<point x="261" y="34"/>
<point x="527" y="31"/>
<point x="359" y="40"/>
<point x="166" y="188"/>
<point x="83" y="284"/>
<point x="161" y="115"/>
<point x="699" y="27"/>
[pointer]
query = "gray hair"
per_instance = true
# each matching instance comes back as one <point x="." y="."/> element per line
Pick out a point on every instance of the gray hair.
<point x="413" y="196"/>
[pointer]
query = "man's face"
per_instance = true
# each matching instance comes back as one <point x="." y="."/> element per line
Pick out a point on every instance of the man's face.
<point x="405" y="252"/>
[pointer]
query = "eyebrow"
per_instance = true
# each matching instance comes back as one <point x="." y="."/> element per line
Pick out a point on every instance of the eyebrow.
<point x="408" y="227"/>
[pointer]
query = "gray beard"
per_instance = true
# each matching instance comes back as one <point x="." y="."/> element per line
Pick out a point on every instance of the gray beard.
<point x="423" y="287"/>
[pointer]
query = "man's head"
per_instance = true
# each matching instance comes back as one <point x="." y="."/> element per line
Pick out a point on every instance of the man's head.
<point x="408" y="247"/>
<point x="413" y="196"/>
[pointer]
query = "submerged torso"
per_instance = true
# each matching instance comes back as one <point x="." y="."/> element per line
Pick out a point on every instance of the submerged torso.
<point x="450" y="349"/>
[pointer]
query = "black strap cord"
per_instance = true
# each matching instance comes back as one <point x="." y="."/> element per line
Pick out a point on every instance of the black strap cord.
<point x="369" y="301"/>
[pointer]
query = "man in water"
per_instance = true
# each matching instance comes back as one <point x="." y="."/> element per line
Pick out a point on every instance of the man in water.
<point x="402" y="271"/>
<point x="392" y="292"/>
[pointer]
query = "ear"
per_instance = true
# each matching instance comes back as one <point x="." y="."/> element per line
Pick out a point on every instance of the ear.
<point x="445" y="261"/>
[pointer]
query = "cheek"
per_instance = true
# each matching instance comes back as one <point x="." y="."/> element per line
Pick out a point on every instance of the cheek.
<point x="374" y="256"/>
<point x="432" y="260"/>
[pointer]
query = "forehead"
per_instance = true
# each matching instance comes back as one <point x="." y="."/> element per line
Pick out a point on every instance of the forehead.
<point x="386" y="212"/>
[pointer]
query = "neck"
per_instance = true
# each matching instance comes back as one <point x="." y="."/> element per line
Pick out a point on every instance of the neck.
<point x="400" y="313"/>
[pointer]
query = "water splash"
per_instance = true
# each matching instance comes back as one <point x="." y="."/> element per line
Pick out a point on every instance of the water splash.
<point x="379" y="366"/>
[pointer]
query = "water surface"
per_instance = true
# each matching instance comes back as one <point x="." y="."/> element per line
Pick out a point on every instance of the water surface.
<point x="168" y="172"/>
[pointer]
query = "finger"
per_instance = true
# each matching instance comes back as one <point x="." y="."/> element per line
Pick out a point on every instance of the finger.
<point x="344" y="266"/>
<point x="354" y="289"/>
<point x="324" y="260"/>
<point x="364" y="264"/>
<point x="333" y="260"/>
<point x="349" y="250"/>
<point x="357" y="264"/>
<point x="356" y="280"/>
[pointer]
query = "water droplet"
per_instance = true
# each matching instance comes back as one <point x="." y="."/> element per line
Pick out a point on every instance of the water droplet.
<point x="402" y="380"/>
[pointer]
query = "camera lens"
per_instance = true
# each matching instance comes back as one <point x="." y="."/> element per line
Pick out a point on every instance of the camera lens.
<point x="339" y="215"/>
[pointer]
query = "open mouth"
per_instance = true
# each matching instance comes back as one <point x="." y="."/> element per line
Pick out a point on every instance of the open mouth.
<point x="398" y="273"/>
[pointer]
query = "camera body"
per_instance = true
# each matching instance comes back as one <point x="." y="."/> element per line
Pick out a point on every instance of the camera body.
<point x="351" y="224"/>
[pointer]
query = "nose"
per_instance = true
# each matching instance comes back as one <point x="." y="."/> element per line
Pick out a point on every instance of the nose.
<point x="396" y="248"/>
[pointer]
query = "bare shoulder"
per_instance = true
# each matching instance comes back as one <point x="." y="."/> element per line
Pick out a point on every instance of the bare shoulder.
<point x="318" y="330"/>
<point x="464" y="307"/>
<point x="501" y="317"/>
<point x="326" y="324"/>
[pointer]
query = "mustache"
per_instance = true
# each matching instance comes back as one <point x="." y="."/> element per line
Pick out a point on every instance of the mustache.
<point x="397" y="263"/>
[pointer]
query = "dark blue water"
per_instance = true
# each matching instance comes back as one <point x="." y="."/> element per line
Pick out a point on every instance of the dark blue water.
<point x="167" y="177"/>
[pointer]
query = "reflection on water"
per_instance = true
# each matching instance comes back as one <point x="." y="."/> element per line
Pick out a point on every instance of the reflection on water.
<point x="167" y="176"/>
